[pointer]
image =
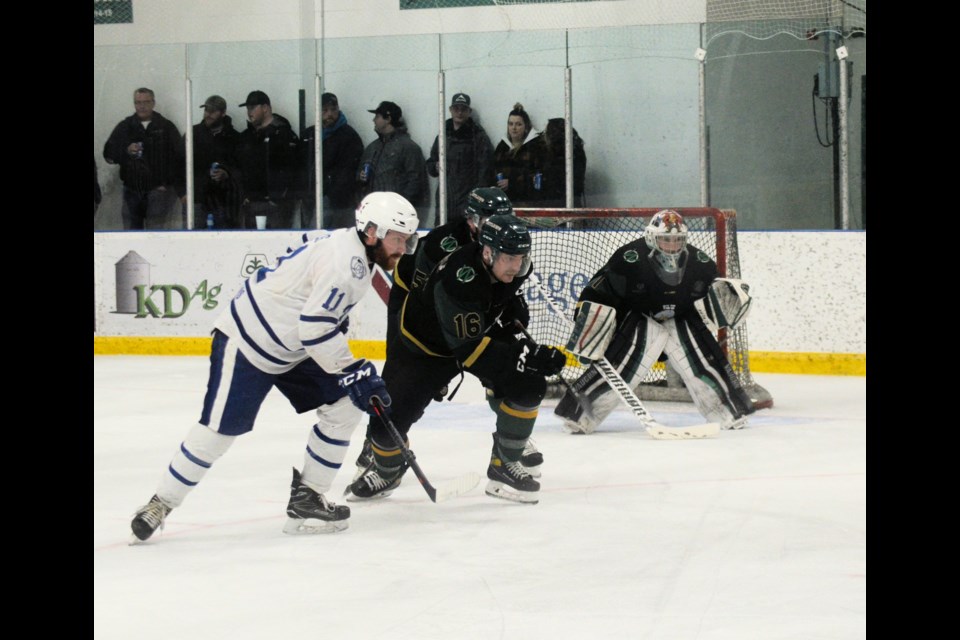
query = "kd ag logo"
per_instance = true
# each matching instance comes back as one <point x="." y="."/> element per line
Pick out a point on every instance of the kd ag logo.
<point x="252" y="262"/>
<point x="158" y="300"/>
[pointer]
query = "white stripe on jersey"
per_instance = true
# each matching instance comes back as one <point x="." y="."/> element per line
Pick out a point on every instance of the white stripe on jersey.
<point x="286" y="313"/>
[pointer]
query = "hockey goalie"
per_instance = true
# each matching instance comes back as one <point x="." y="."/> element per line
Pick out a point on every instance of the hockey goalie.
<point x="657" y="298"/>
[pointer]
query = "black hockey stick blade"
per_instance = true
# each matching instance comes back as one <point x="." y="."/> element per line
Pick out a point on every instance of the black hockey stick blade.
<point x="444" y="491"/>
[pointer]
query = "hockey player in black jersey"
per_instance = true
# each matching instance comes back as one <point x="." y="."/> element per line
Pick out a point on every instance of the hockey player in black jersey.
<point x="412" y="271"/>
<point x="656" y="297"/>
<point x="461" y="320"/>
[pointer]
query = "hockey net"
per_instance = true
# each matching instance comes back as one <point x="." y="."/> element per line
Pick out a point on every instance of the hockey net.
<point x="570" y="245"/>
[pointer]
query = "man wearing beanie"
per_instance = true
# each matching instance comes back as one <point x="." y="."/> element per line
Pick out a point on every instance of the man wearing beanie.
<point x="341" y="147"/>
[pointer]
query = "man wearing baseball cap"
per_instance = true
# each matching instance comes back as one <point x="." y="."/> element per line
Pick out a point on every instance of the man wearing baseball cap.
<point x="393" y="162"/>
<point x="215" y="187"/>
<point x="269" y="153"/>
<point x="469" y="157"/>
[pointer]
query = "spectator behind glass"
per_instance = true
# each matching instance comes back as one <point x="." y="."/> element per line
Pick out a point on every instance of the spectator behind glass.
<point x="341" y="147"/>
<point x="147" y="147"/>
<point x="469" y="157"/>
<point x="555" y="170"/>
<point x="216" y="190"/>
<point x="393" y="162"/>
<point x="517" y="158"/>
<point x="97" y="194"/>
<point x="269" y="165"/>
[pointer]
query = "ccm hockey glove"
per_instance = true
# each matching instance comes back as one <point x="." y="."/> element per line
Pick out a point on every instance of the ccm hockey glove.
<point x="535" y="358"/>
<point x="361" y="382"/>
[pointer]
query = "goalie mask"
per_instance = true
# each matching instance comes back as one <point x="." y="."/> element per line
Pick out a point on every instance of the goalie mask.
<point x="388" y="211"/>
<point x="666" y="236"/>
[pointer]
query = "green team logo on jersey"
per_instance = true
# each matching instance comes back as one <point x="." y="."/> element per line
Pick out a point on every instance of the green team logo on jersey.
<point x="631" y="256"/>
<point x="466" y="274"/>
<point x="702" y="257"/>
<point x="449" y="243"/>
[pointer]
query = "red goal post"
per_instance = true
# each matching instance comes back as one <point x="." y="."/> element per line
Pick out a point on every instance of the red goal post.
<point x="570" y="245"/>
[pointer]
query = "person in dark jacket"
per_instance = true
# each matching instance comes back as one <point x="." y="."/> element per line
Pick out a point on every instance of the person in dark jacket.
<point x="147" y="147"/>
<point x="518" y="158"/>
<point x="393" y="162"/>
<point x="469" y="157"/>
<point x="216" y="184"/>
<point x="341" y="147"/>
<point x="269" y="165"/>
<point x="554" y="185"/>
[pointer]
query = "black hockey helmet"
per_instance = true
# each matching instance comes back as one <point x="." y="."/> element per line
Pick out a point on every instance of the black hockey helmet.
<point x="484" y="202"/>
<point x="506" y="233"/>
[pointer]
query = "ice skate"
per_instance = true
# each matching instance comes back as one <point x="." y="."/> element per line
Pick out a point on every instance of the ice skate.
<point x="149" y="518"/>
<point x="510" y="480"/>
<point x="376" y="482"/>
<point x="532" y="458"/>
<point x="311" y="512"/>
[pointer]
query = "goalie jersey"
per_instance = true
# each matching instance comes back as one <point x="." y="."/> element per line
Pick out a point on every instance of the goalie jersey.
<point x="629" y="281"/>
<point x="455" y="313"/>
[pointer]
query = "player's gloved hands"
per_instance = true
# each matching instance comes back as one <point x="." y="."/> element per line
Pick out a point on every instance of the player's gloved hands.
<point x="536" y="358"/>
<point x="517" y="309"/>
<point x="361" y="382"/>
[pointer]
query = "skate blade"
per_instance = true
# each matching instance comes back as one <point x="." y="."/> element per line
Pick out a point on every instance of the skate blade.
<point x="299" y="526"/>
<point x="351" y="497"/>
<point x="500" y="490"/>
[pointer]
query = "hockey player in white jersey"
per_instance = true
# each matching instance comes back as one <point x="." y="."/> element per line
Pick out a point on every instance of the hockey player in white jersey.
<point x="286" y="328"/>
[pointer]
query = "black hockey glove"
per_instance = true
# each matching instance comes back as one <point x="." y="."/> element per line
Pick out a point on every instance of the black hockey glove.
<point x="361" y="382"/>
<point x="517" y="309"/>
<point x="536" y="358"/>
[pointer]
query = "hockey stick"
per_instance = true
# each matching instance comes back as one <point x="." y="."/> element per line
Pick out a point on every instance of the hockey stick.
<point x="584" y="402"/>
<point x="623" y="390"/>
<point x="445" y="491"/>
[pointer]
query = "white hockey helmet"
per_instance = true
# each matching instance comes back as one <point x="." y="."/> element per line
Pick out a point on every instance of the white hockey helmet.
<point x="388" y="211"/>
<point x="666" y="235"/>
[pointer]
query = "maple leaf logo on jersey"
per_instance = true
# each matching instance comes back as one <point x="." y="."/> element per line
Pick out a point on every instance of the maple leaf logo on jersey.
<point x="466" y="274"/>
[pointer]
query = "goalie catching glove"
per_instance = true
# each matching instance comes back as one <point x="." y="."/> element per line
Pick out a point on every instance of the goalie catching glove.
<point x="361" y="382"/>
<point x="592" y="331"/>
<point x="536" y="358"/>
<point x="726" y="304"/>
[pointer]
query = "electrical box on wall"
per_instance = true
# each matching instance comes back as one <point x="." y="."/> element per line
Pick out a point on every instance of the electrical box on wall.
<point x="827" y="82"/>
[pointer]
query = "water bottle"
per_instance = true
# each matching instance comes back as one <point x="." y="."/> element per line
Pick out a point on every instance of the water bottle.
<point x="209" y="221"/>
<point x="499" y="177"/>
<point x="367" y="169"/>
<point x="213" y="168"/>
<point x="537" y="180"/>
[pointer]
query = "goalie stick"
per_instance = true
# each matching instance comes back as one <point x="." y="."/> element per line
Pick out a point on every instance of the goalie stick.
<point x="441" y="492"/>
<point x="623" y="390"/>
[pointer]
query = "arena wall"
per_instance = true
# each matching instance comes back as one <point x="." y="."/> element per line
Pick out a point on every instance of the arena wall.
<point x="160" y="292"/>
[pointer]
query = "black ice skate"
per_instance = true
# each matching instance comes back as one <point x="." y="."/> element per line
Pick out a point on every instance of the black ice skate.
<point x="375" y="482"/>
<point x="149" y="518"/>
<point x="364" y="460"/>
<point x="510" y="481"/>
<point x="532" y="458"/>
<point x="310" y="512"/>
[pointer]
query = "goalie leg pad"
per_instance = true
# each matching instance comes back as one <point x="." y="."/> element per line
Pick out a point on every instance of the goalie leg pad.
<point x="635" y="348"/>
<point x="592" y="331"/>
<point x="716" y="391"/>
